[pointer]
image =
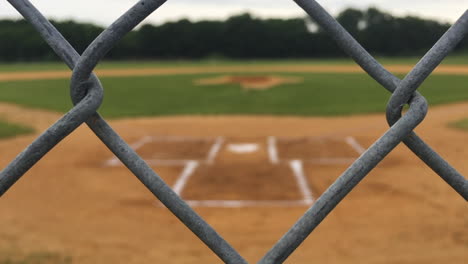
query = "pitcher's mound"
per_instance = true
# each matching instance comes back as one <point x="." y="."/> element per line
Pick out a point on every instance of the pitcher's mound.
<point x="250" y="82"/>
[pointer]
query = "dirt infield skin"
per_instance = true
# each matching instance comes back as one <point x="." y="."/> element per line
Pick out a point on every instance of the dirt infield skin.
<point x="71" y="204"/>
<point x="396" y="69"/>
<point x="258" y="82"/>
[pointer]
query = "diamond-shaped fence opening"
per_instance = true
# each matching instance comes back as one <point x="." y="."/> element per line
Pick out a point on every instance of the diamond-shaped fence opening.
<point x="87" y="93"/>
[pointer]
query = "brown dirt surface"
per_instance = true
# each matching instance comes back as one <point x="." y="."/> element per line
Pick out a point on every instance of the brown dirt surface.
<point x="246" y="176"/>
<point x="171" y="150"/>
<point x="242" y="181"/>
<point x="402" y="212"/>
<point x="250" y="82"/>
<point x="396" y="69"/>
<point x="319" y="147"/>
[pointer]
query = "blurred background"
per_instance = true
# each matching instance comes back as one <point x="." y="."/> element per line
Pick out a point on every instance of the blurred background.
<point x="236" y="81"/>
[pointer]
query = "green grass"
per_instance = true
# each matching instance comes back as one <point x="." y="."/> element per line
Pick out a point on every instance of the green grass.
<point x="36" y="258"/>
<point x="31" y="66"/>
<point x="318" y="95"/>
<point x="8" y="130"/>
<point x="461" y="124"/>
<point x="458" y="59"/>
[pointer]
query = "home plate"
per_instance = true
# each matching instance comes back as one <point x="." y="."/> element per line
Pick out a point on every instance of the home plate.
<point x="243" y="148"/>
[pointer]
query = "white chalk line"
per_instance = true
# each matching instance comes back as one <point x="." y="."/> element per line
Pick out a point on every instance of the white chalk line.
<point x="169" y="162"/>
<point x="181" y="139"/>
<point x="355" y="145"/>
<point x="298" y="171"/>
<point x="310" y="139"/>
<point x="183" y="162"/>
<point x="113" y="162"/>
<point x="247" y="203"/>
<point x="272" y="150"/>
<point x="330" y="161"/>
<point x="192" y="165"/>
<point x="185" y="176"/>
<point x="214" y="150"/>
<point x="140" y="143"/>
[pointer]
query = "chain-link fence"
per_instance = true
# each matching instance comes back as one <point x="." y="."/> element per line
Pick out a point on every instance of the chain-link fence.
<point x="87" y="94"/>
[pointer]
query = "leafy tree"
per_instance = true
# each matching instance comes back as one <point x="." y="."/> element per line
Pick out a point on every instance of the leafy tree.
<point x="352" y="20"/>
<point x="240" y="36"/>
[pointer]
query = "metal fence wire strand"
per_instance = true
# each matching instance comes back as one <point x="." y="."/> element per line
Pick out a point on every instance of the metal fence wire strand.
<point x="81" y="82"/>
<point x="87" y="94"/>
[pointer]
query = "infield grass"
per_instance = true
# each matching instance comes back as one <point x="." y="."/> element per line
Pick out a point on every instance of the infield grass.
<point x="318" y="95"/>
<point x="8" y="130"/>
<point x="462" y="124"/>
<point x="456" y="59"/>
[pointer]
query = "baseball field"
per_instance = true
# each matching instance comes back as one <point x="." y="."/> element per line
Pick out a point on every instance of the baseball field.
<point x="249" y="145"/>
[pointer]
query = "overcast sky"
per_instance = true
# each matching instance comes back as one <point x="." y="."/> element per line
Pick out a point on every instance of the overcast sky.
<point x="103" y="12"/>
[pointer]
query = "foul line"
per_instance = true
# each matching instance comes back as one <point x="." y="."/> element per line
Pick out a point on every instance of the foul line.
<point x="214" y="150"/>
<point x="330" y="161"/>
<point x="298" y="169"/>
<point x="355" y="145"/>
<point x="135" y="146"/>
<point x="247" y="203"/>
<point x="140" y="143"/>
<point x="163" y="162"/>
<point x="180" y="139"/>
<point x="272" y="150"/>
<point x="184" y="176"/>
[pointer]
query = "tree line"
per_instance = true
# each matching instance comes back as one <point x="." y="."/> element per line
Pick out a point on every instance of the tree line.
<point x="239" y="37"/>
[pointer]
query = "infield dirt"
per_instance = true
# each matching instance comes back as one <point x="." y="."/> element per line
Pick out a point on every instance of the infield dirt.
<point x="72" y="204"/>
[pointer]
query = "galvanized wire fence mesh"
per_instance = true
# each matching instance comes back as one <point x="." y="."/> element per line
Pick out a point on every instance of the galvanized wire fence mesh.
<point x="87" y="94"/>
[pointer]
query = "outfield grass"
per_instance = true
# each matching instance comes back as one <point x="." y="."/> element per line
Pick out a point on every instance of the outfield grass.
<point x="318" y="95"/>
<point x="462" y="124"/>
<point x="8" y="130"/>
<point x="458" y="59"/>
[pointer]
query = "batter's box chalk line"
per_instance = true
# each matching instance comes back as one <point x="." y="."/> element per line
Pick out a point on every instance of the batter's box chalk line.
<point x="218" y="142"/>
<point x="190" y="166"/>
